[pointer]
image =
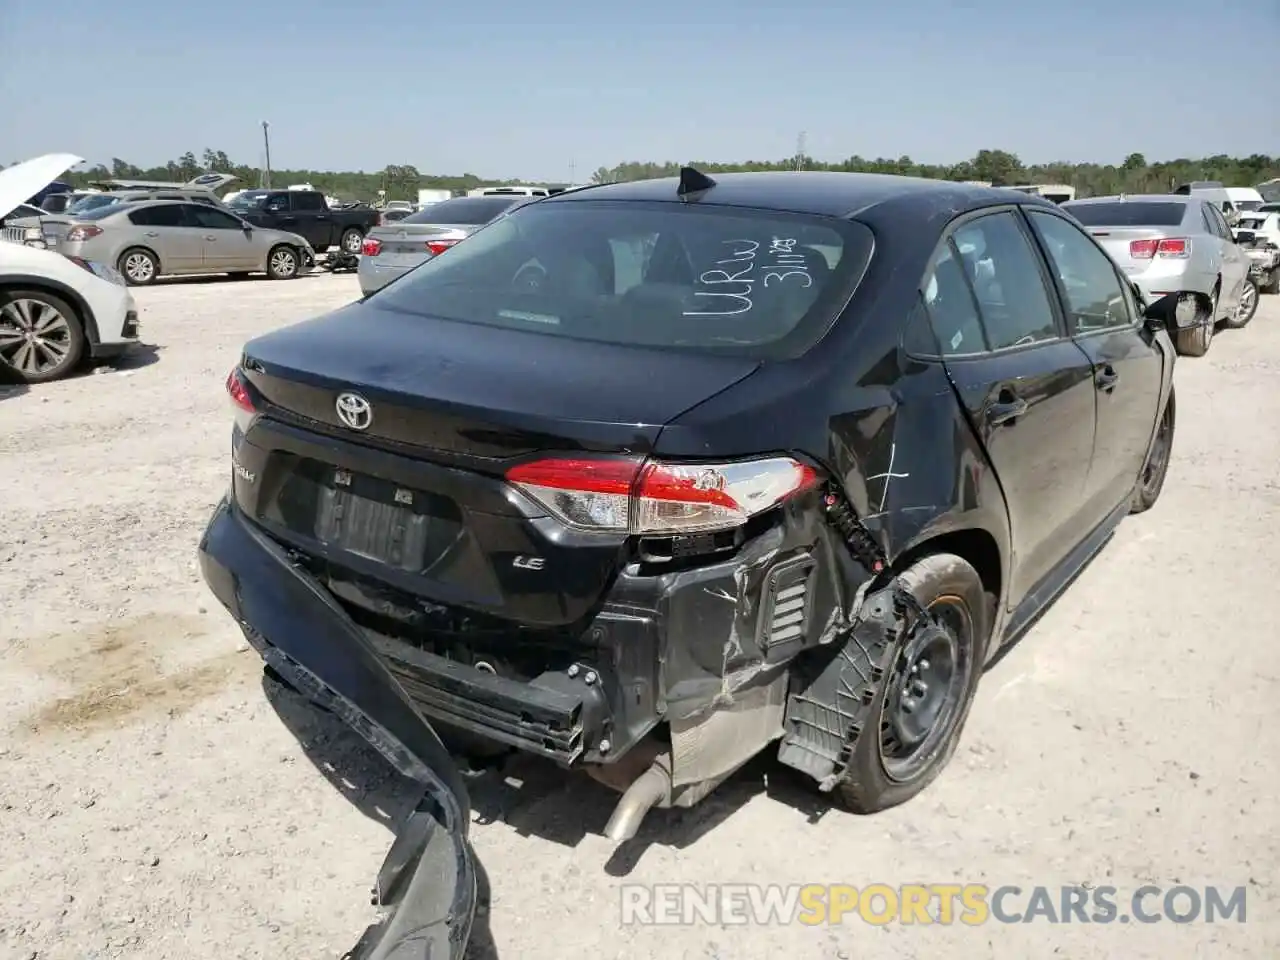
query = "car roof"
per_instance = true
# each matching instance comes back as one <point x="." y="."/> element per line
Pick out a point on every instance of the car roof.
<point x="818" y="192"/>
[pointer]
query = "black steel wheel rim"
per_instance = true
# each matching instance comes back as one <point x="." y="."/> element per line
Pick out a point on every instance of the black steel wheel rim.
<point x="1159" y="458"/>
<point x="926" y="690"/>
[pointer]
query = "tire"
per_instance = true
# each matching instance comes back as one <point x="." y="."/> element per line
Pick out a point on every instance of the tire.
<point x="283" y="262"/>
<point x="1156" y="468"/>
<point x="352" y="240"/>
<point x="1247" y="308"/>
<point x="1194" y="341"/>
<point x="139" y="266"/>
<point x="877" y="778"/>
<point x="41" y="336"/>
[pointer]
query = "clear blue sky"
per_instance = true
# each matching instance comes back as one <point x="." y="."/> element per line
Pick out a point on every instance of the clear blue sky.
<point x="505" y="89"/>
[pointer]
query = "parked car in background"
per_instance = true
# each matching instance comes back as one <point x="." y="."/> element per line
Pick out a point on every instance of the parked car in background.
<point x="394" y="216"/>
<point x="55" y="226"/>
<point x="391" y="250"/>
<point x="653" y="476"/>
<point x="55" y="311"/>
<point x="167" y="238"/>
<point x="308" y="214"/>
<point x="1259" y="236"/>
<point x="1175" y="243"/>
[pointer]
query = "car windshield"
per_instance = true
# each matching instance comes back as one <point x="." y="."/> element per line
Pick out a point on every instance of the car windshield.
<point x="761" y="284"/>
<point x="465" y="210"/>
<point x="1249" y="205"/>
<point x="92" y="202"/>
<point x="1128" y="213"/>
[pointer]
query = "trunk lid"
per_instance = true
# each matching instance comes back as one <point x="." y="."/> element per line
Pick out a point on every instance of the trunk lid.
<point x="415" y="501"/>
<point x="412" y="238"/>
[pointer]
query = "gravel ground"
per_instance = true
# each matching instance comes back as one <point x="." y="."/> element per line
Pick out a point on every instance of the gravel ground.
<point x="159" y="799"/>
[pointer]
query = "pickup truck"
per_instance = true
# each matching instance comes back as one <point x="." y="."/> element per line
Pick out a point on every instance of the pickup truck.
<point x="307" y="213"/>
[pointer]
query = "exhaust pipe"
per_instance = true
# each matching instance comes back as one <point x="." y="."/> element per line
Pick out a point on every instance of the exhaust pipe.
<point x="652" y="788"/>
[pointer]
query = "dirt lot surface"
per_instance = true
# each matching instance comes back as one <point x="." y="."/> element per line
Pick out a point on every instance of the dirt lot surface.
<point x="157" y="799"/>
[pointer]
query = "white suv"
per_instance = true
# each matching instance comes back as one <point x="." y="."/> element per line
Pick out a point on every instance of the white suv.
<point x="55" y="311"/>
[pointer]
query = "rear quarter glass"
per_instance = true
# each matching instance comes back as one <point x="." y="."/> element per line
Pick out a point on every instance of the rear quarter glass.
<point x="760" y="284"/>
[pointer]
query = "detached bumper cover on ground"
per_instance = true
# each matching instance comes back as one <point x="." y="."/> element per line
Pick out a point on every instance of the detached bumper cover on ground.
<point x="428" y="882"/>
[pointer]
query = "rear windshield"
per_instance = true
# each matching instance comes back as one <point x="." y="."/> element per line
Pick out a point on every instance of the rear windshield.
<point x="766" y="285"/>
<point x="1128" y="213"/>
<point x="469" y="210"/>
<point x="1249" y="205"/>
<point x="102" y="212"/>
<point x="92" y="202"/>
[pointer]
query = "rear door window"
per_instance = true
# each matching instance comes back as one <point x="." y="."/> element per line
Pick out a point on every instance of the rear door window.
<point x="674" y="276"/>
<point x="308" y="202"/>
<point x="1004" y="272"/>
<point x="950" y="306"/>
<point x="164" y="215"/>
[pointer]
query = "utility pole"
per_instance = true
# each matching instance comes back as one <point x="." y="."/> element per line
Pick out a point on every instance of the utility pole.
<point x="800" y="152"/>
<point x="266" y="143"/>
<point x="572" y="168"/>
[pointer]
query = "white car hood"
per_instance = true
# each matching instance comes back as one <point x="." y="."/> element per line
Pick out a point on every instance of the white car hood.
<point x="28" y="178"/>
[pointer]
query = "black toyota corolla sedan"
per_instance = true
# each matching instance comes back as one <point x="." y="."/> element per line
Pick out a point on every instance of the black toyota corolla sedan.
<point x="646" y="477"/>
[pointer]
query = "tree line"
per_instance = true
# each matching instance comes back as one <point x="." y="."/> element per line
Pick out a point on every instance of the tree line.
<point x="1134" y="175"/>
<point x="402" y="181"/>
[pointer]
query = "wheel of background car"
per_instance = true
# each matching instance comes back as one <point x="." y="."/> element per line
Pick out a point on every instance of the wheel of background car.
<point x="282" y="263"/>
<point x="529" y="278"/>
<point x="1247" y="307"/>
<point x="41" y="336"/>
<point x="1194" y="341"/>
<point x="352" y="239"/>
<point x="910" y="711"/>
<point x="1273" y="282"/>
<point x="139" y="266"/>
<point x="1151" y="480"/>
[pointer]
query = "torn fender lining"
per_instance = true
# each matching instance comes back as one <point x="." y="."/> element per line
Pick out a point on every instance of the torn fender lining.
<point x="831" y="696"/>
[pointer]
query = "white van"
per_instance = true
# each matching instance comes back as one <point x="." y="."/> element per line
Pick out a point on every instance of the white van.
<point x="1245" y="199"/>
<point x="508" y="191"/>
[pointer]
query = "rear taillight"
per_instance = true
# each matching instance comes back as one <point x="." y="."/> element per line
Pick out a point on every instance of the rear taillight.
<point x="241" y="399"/>
<point x="372" y="247"/>
<point x="1176" y="247"/>
<point x="634" y="496"/>
<point x="83" y="232"/>
<point x="437" y="247"/>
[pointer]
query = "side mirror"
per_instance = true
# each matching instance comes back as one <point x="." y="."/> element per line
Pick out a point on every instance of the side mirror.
<point x="1178" y="311"/>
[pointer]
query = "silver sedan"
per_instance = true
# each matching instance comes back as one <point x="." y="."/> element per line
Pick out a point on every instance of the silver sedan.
<point x="392" y="250"/>
<point x="165" y="238"/>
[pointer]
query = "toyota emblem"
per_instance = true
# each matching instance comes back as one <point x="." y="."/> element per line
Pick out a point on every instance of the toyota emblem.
<point x="354" y="411"/>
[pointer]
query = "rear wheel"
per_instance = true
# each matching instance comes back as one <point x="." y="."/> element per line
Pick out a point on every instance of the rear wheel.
<point x="41" y="336"/>
<point x="139" y="266"/>
<point x="1151" y="480"/>
<point x="1194" y="341"/>
<point x="1247" y="308"/>
<point x="920" y="687"/>
<point x="352" y="240"/>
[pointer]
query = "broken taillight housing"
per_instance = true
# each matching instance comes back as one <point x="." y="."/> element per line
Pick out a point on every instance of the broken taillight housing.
<point x="628" y="495"/>
<point x="371" y="247"/>
<point x="82" y="232"/>
<point x="241" y="399"/>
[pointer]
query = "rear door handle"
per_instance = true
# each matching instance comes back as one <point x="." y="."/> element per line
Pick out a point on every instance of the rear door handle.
<point x="1007" y="407"/>
<point x="211" y="238"/>
<point x="1107" y="378"/>
<point x="151" y="233"/>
